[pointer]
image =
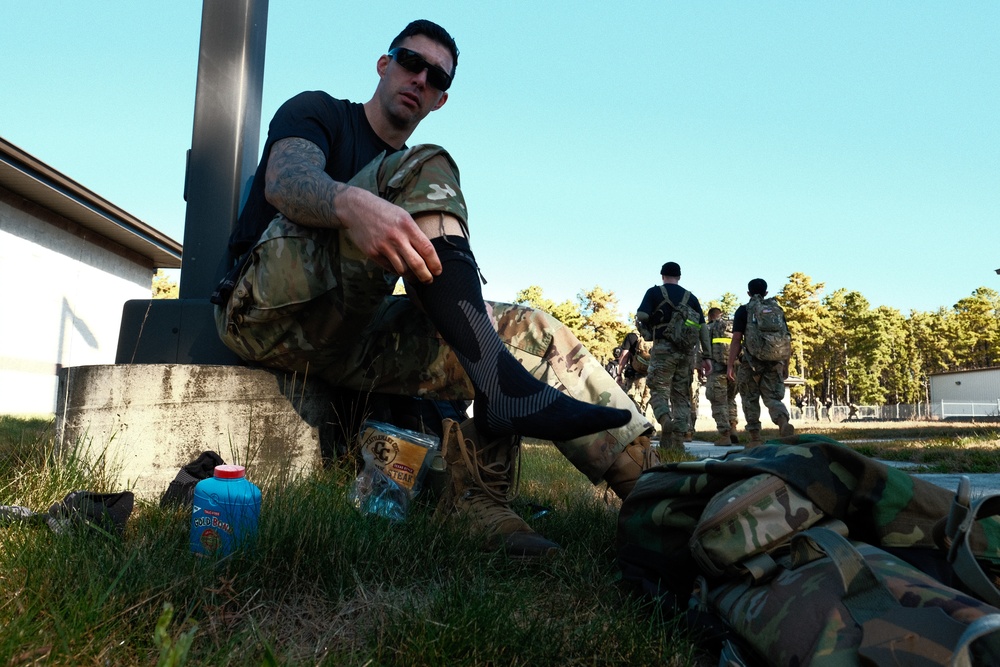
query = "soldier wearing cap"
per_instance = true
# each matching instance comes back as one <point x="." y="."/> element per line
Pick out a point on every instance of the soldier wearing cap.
<point x="670" y="360"/>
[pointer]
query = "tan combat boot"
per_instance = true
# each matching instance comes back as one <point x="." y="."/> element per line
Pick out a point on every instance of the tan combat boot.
<point x="733" y="438"/>
<point x="755" y="440"/>
<point x="677" y="441"/>
<point x="665" y="428"/>
<point x="479" y="490"/>
<point x="784" y="427"/>
<point x="725" y="438"/>
<point x="637" y="456"/>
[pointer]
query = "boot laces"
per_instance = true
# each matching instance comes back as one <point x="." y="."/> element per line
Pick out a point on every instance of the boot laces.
<point x="493" y="480"/>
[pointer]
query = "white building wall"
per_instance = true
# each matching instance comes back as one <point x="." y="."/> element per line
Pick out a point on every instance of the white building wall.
<point x="63" y="299"/>
<point x="980" y="387"/>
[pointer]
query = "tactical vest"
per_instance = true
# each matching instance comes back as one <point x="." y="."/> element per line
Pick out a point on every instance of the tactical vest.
<point x="721" y="333"/>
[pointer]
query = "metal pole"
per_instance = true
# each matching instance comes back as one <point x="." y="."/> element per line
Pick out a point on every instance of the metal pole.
<point x="225" y="138"/>
<point x="222" y="159"/>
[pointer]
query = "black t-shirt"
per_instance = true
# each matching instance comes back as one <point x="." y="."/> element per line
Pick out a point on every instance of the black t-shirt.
<point x="631" y="342"/>
<point x="740" y="320"/>
<point x="340" y="129"/>
<point x="654" y="298"/>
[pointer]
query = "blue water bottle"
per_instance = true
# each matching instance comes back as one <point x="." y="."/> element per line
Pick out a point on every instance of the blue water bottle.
<point x="225" y="513"/>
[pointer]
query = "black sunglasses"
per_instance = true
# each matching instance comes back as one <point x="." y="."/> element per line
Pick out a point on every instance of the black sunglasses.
<point x="412" y="61"/>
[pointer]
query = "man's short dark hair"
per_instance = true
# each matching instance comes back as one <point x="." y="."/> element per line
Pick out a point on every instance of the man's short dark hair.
<point x="671" y="270"/>
<point x="714" y="311"/>
<point x="757" y="286"/>
<point x="433" y="31"/>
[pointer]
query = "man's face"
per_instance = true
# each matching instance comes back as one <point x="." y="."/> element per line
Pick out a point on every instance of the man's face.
<point x="406" y="96"/>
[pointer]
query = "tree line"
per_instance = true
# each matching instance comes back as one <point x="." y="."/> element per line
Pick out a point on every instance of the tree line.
<point x="844" y="349"/>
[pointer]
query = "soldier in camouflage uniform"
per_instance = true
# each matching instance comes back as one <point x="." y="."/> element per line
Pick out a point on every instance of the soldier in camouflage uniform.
<point x="756" y="379"/>
<point x="669" y="376"/>
<point x="336" y="214"/>
<point x="716" y="338"/>
<point x="633" y="366"/>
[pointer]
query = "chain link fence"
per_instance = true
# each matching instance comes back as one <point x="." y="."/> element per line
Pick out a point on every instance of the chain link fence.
<point x="900" y="412"/>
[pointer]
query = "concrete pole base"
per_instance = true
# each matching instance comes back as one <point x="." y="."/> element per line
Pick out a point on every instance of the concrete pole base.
<point x="140" y="423"/>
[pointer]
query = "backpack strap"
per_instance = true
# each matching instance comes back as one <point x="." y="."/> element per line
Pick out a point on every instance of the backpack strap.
<point x="960" y="553"/>
<point x="666" y="298"/>
<point x="981" y="627"/>
<point x="865" y="596"/>
<point x="663" y="320"/>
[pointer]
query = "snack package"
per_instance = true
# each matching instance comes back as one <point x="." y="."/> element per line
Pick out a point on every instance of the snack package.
<point x="396" y="462"/>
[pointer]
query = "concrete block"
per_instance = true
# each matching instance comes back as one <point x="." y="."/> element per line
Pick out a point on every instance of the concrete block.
<point x="142" y="422"/>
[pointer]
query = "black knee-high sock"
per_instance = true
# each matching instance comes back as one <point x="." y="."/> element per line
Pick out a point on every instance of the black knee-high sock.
<point x="509" y="400"/>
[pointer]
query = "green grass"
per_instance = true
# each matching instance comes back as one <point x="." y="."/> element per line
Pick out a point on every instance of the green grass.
<point x="324" y="585"/>
<point x="321" y="584"/>
<point x="937" y="447"/>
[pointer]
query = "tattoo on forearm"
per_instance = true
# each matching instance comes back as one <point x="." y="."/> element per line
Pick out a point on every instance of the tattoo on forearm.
<point x="297" y="185"/>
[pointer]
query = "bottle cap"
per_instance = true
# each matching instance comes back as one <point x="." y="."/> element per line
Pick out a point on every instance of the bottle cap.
<point x="229" y="471"/>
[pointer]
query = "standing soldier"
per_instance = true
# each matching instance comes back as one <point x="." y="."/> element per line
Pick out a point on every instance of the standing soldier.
<point x="633" y="365"/>
<point x="763" y="346"/>
<point x="716" y="337"/>
<point x="670" y="317"/>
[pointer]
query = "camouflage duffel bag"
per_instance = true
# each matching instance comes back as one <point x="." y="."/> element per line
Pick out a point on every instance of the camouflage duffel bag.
<point x="832" y="602"/>
<point x="805" y="552"/>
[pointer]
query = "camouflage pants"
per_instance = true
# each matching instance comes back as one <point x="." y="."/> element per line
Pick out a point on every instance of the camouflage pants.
<point x="722" y="395"/>
<point x="756" y="380"/>
<point x="695" y="400"/>
<point x="669" y="381"/>
<point x="309" y="301"/>
<point x="638" y="390"/>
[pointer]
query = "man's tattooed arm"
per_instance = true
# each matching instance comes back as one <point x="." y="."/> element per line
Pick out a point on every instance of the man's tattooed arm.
<point x="296" y="184"/>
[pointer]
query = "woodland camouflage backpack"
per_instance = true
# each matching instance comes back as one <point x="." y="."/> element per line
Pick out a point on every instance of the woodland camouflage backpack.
<point x="806" y="552"/>
<point x="766" y="337"/>
<point x="684" y="324"/>
<point x="721" y="333"/>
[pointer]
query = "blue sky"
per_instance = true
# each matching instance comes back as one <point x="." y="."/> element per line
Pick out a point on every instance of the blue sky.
<point x="857" y="142"/>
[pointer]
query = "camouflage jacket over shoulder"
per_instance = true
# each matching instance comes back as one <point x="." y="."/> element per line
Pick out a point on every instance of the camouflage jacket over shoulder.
<point x="420" y="179"/>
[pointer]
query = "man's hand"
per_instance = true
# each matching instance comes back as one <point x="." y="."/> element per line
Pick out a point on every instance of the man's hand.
<point x="731" y="372"/>
<point x="388" y="235"/>
<point x="296" y="184"/>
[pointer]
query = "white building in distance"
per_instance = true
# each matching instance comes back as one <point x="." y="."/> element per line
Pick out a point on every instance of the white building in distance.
<point x="966" y="394"/>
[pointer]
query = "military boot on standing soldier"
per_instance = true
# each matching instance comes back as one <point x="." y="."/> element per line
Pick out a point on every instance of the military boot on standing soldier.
<point x="671" y="317"/>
